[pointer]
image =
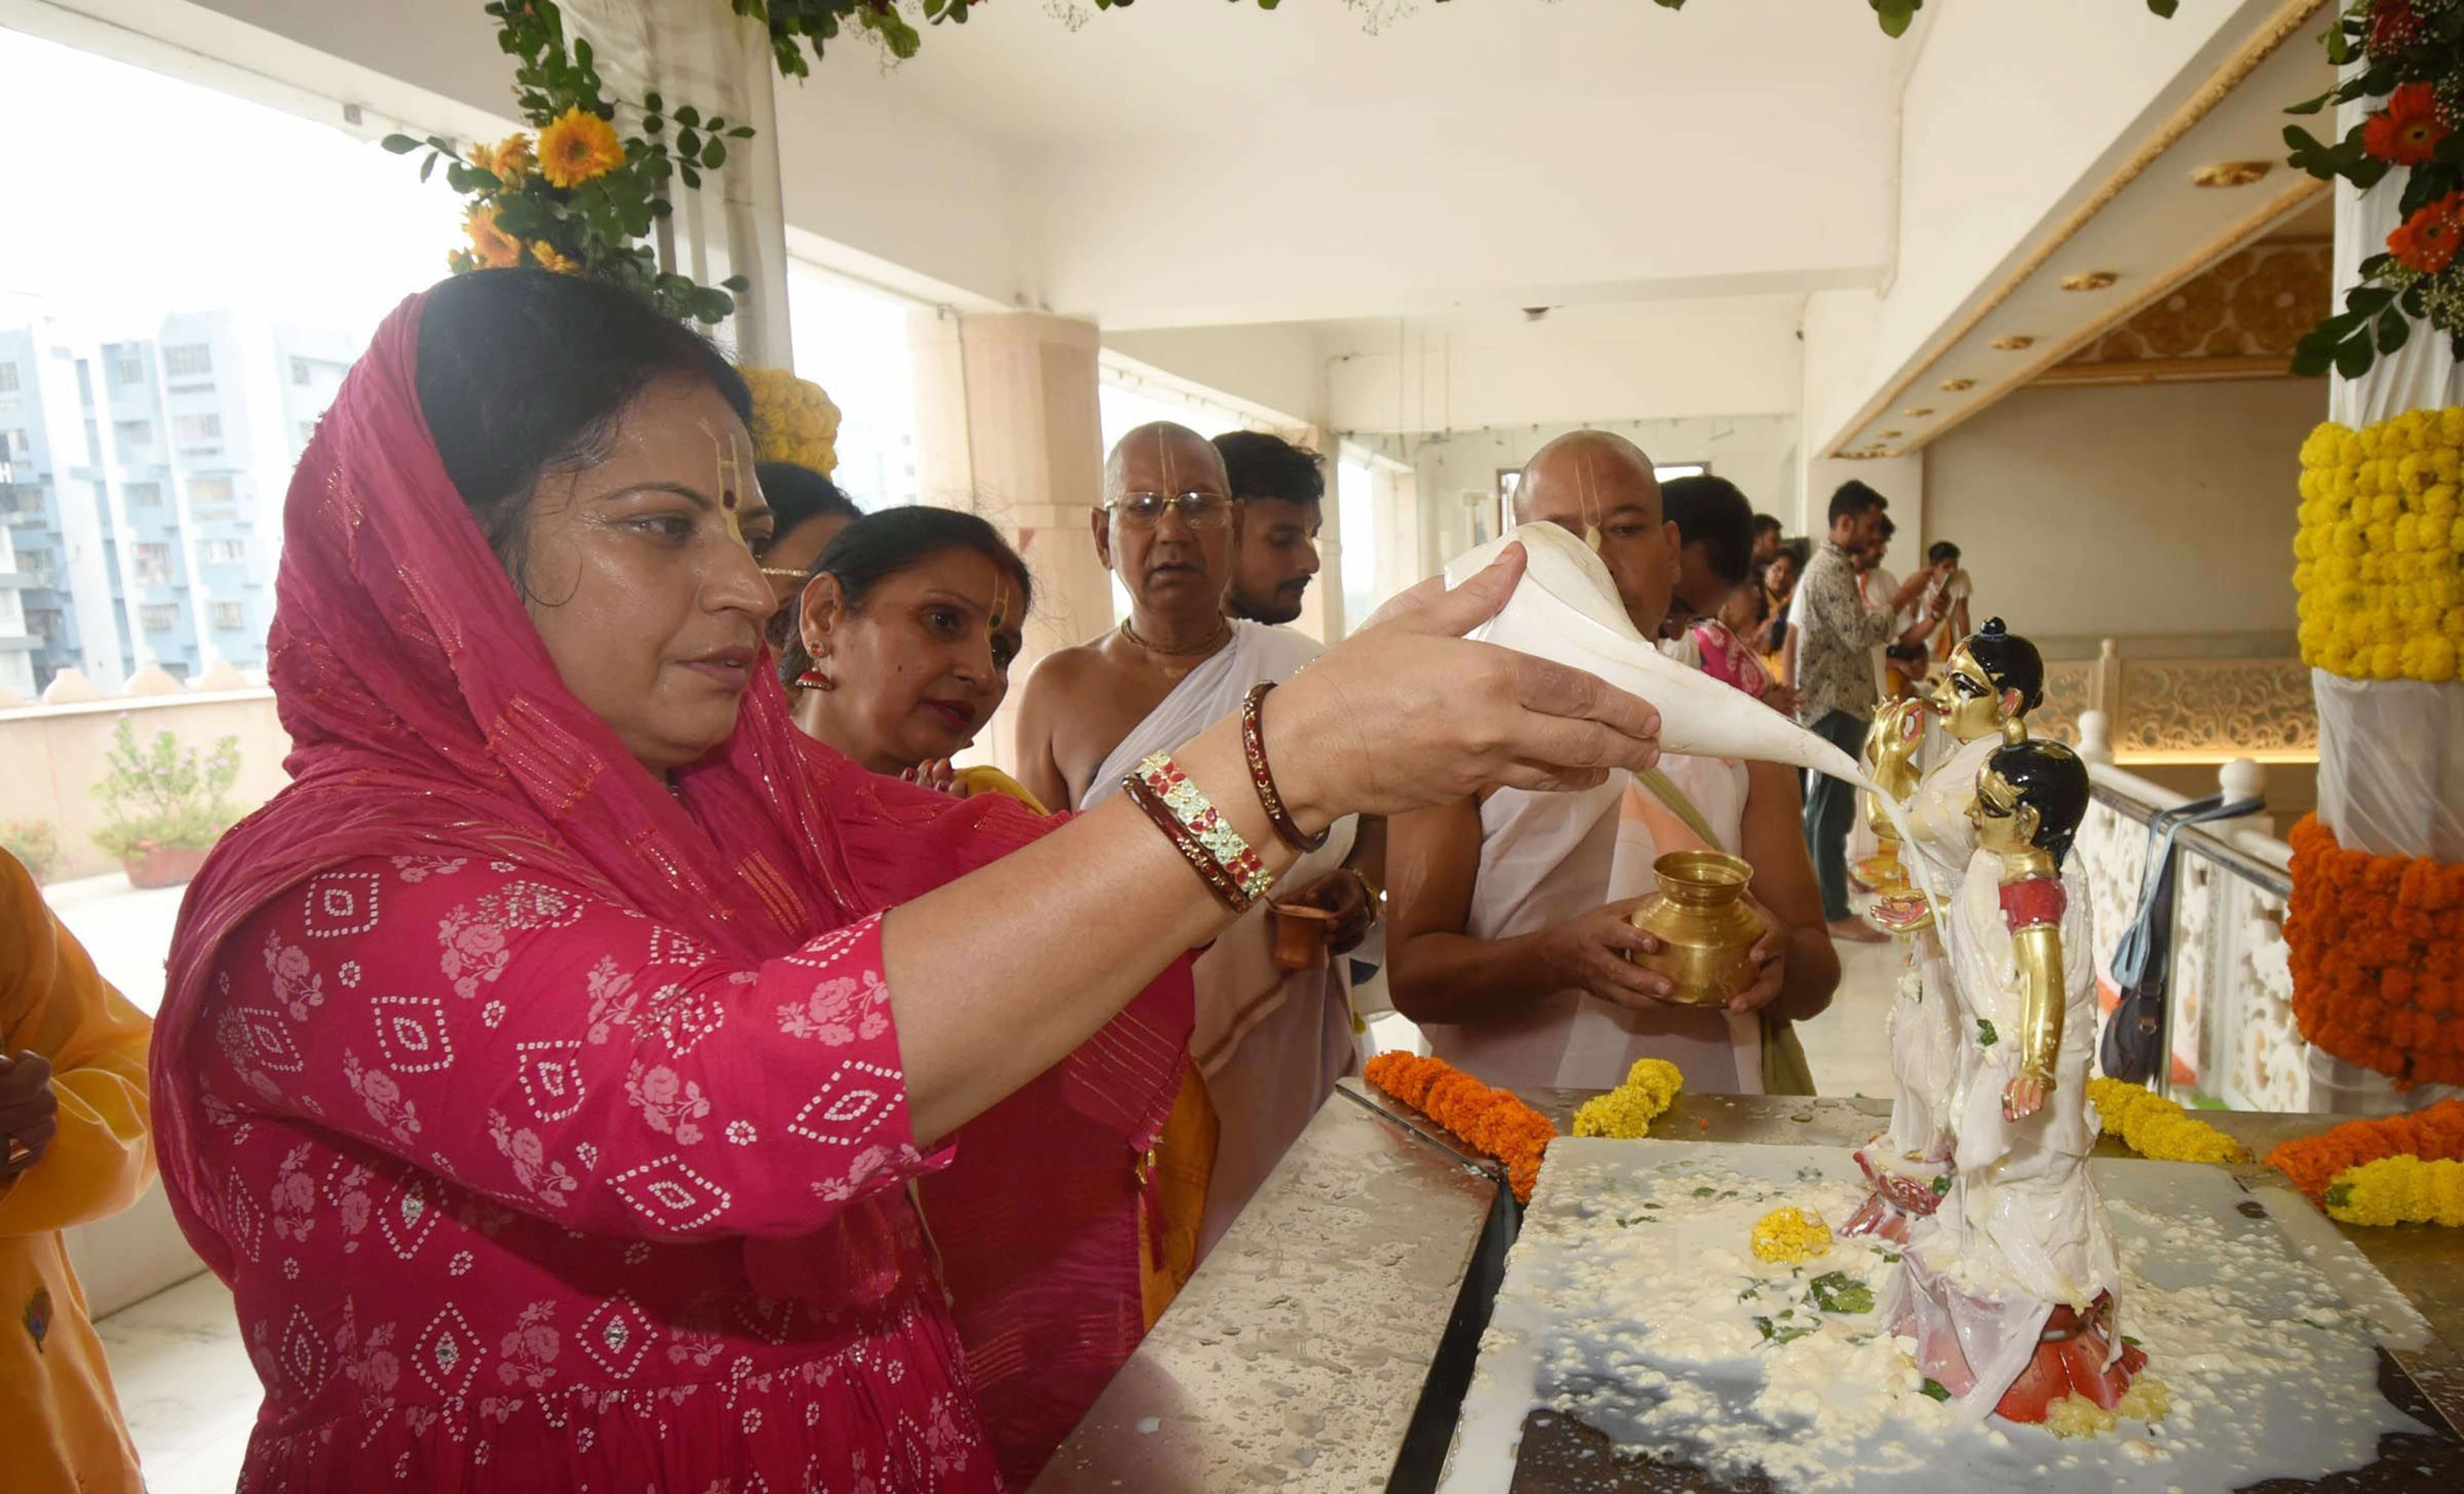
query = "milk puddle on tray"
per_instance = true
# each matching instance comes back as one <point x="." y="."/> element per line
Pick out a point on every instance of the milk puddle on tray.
<point x="1634" y="1304"/>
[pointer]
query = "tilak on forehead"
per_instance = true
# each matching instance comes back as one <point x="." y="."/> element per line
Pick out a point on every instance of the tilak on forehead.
<point x="1001" y="602"/>
<point x="730" y="482"/>
<point x="1587" y="503"/>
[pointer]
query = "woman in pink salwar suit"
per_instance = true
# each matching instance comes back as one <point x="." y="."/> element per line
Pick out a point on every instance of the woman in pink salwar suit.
<point x="545" y="1067"/>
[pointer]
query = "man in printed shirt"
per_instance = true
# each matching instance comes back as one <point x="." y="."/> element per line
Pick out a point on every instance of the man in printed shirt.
<point x="1835" y="672"/>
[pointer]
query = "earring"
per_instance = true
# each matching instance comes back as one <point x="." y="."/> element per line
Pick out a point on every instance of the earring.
<point x="814" y="679"/>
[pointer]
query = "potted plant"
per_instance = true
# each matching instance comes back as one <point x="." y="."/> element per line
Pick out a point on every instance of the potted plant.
<point x="34" y="843"/>
<point x="167" y="804"/>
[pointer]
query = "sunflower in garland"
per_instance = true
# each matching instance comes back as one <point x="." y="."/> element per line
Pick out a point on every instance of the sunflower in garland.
<point x="489" y="245"/>
<point x="578" y="147"/>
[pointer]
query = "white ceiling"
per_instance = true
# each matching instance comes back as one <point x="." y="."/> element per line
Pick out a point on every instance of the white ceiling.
<point x="1189" y="163"/>
<point x="1193" y="69"/>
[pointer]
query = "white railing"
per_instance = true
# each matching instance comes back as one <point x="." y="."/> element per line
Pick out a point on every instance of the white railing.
<point x="2229" y="1028"/>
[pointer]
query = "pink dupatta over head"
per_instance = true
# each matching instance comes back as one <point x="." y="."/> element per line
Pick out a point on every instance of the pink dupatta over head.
<point x="425" y="713"/>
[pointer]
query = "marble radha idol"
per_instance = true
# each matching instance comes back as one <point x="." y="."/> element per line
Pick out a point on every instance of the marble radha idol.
<point x="2008" y="1271"/>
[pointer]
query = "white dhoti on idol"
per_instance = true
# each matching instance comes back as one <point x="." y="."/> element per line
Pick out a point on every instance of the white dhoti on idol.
<point x="2021" y="1232"/>
<point x="1925" y="1018"/>
<point x="1269" y="1043"/>
<point x="1546" y="858"/>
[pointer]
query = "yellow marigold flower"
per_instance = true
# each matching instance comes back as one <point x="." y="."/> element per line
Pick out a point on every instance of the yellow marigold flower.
<point x="2399" y="1190"/>
<point x="2157" y="1128"/>
<point x="491" y="245"/>
<point x="2451" y="427"/>
<point x="2318" y="448"/>
<point x="1784" y="1237"/>
<point x="512" y="160"/>
<point x="793" y="420"/>
<point x="579" y="148"/>
<point x="460" y="261"/>
<point x="2431" y="659"/>
<point x="548" y="258"/>
<point x="1625" y="1112"/>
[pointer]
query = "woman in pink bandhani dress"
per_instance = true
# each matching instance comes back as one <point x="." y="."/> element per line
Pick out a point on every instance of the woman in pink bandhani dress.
<point x="544" y="1067"/>
<point x="1726" y="655"/>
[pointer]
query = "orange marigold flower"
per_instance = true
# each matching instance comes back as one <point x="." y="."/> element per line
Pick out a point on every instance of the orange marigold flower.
<point x="1490" y="1120"/>
<point x="2428" y="240"/>
<point x="579" y="148"/>
<point x="2433" y="1134"/>
<point x="2408" y="131"/>
<point x="2376" y="945"/>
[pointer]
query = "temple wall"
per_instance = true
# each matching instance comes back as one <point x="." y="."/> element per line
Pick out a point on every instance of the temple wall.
<point x="2128" y="510"/>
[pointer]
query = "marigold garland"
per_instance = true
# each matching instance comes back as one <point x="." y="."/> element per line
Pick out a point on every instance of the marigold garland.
<point x="2157" y="1128"/>
<point x="1490" y="1120"/>
<point x="2379" y="559"/>
<point x="2377" y="949"/>
<point x="2399" y="1190"/>
<point x="793" y="420"/>
<point x="2436" y="1135"/>
<point x="1626" y="1112"/>
<point x="1784" y="1237"/>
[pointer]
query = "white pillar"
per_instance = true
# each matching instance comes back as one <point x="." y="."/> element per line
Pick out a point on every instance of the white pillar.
<point x="700" y="53"/>
<point x="1006" y="426"/>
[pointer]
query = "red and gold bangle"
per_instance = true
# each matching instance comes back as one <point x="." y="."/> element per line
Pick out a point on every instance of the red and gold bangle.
<point x="1253" y="746"/>
<point x="1199" y="816"/>
<point x="1218" y="881"/>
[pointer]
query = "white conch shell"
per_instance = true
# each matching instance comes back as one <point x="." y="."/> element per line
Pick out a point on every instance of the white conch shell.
<point x="1566" y="609"/>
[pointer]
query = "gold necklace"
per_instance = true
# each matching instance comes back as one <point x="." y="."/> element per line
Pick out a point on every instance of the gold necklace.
<point x="1222" y="632"/>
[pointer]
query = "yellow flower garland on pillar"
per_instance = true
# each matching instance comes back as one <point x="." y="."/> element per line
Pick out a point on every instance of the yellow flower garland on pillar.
<point x="2378" y="561"/>
<point x="793" y="420"/>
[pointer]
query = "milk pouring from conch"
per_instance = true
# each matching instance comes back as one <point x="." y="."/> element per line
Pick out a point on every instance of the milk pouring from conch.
<point x="1566" y="609"/>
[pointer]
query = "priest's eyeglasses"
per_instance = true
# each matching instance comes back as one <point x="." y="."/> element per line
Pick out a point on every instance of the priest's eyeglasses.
<point x="1197" y="510"/>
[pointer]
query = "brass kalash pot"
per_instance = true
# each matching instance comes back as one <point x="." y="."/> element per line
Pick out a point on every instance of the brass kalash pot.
<point x="1706" y="925"/>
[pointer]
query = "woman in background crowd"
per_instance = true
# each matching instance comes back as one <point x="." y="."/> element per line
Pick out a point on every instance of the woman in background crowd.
<point x="808" y="511"/>
<point x="74" y="1148"/>
<point x="1060" y="1241"/>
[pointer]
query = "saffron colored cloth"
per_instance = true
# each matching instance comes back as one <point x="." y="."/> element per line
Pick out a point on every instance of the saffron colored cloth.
<point x="545" y="1117"/>
<point x="60" y="1427"/>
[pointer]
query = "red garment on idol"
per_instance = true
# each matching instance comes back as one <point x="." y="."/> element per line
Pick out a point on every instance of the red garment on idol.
<point x="546" y="1119"/>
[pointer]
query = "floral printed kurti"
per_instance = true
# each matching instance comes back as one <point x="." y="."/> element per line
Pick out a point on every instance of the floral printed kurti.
<point x="524" y="1191"/>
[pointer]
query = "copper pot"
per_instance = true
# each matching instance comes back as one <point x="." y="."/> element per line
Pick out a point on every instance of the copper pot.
<point x="1303" y="935"/>
<point x="1705" y="924"/>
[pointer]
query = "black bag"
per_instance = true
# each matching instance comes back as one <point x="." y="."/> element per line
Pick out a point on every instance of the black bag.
<point x="2133" y="1045"/>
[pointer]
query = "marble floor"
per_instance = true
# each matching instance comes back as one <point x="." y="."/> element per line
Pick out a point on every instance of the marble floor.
<point x="186" y="1385"/>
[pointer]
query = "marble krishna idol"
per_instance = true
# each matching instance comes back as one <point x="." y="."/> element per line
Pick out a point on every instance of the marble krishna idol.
<point x="2008" y="1272"/>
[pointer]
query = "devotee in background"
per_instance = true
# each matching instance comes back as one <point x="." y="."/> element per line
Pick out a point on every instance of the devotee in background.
<point x="1768" y="540"/>
<point x="1946" y="599"/>
<point x="1778" y="575"/>
<point x="900" y="644"/>
<point x="74" y="1148"/>
<point x="1062" y="1237"/>
<point x="807" y="511"/>
<point x="1834" y="635"/>
<point x="1281" y="489"/>
<point x="1715" y="560"/>
<point x="1508" y="942"/>
<point x="563" y="1039"/>
<point x="1270" y="1040"/>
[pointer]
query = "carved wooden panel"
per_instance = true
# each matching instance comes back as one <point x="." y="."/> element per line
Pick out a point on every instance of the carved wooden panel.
<point x="2257" y="302"/>
<point x="2221" y="707"/>
<point x="2067" y="693"/>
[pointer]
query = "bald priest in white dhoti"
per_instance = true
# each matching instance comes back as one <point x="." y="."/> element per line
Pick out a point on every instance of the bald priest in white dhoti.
<point x="1508" y="941"/>
<point x="1270" y="1042"/>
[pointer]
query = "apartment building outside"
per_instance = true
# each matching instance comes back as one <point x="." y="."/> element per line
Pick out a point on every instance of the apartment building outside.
<point x="141" y="500"/>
